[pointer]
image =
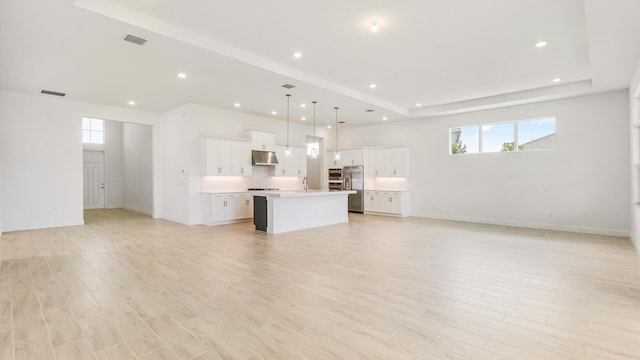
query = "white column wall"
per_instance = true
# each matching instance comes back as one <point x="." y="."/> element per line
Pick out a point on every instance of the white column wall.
<point x="176" y="140"/>
<point x="137" y="168"/>
<point x="582" y="186"/>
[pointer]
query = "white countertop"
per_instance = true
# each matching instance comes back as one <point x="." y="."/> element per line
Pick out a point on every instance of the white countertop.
<point x="387" y="190"/>
<point x="224" y="192"/>
<point x="302" y="193"/>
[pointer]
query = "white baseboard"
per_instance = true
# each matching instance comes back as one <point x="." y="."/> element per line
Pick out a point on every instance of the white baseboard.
<point x="635" y="243"/>
<point x="524" y="224"/>
<point x="140" y="211"/>
<point x="21" y="227"/>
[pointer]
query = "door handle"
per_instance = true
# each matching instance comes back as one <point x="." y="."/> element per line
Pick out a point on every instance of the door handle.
<point x="102" y="186"/>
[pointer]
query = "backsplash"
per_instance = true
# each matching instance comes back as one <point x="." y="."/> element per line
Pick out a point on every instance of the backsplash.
<point x="260" y="178"/>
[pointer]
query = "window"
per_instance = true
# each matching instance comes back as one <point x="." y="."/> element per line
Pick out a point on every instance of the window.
<point x="92" y="131"/>
<point x="498" y="137"/>
<point x="464" y="140"/>
<point x="523" y="135"/>
<point x="537" y="134"/>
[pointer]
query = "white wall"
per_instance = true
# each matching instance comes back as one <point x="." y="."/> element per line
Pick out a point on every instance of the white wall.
<point x="634" y="131"/>
<point x="41" y="157"/>
<point x="137" y="168"/>
<point x="582" y="186"/>
<point x="176" y="139"/>
<point x="113" y="165"/>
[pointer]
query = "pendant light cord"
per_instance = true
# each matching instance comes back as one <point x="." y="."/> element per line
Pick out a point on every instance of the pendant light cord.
<point x="314" y="150"/>
<point x="337" y="143"/>
<point x="288" y="98"/>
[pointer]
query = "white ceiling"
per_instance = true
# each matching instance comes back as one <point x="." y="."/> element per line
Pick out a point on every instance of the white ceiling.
<point x="449" y="55"/>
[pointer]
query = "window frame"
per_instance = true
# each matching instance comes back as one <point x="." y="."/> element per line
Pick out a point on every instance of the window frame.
<point x="91" y="131"/>
<point x="516" y="137"/>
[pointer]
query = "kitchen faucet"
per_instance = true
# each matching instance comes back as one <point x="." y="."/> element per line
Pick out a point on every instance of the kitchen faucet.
<point x="305" y="183"/>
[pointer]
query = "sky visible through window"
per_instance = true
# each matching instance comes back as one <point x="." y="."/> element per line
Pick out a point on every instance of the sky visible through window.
<point x="494" y="135"/>
<point x="469" y="137"/>
<point x="529" y="130"/>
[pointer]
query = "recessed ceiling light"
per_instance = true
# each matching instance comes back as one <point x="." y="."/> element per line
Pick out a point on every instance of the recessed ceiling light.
<point x="297" y="55"/>
<point x="372" y="86"/>
<point x="236" y="104"/>
<point x="418" y="104"/>
<point x="541" y="44"/>
<point x="328" y="126"/>
<point x="303" y="105"/>
<point x="374" y="26"/>
<point x="303" y="118"/>
<point x="384" y="118"/>
<point x="274" y="112"/>
<point x="556" y="80"/>
<point x="182" y="75"/>
<point x="131" y="102"/>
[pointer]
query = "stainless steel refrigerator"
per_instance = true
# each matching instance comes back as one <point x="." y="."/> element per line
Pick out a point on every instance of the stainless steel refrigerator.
<point x="353" y="179"/>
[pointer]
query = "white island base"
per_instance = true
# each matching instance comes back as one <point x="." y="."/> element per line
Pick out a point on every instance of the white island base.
<point x="292" y="210"/>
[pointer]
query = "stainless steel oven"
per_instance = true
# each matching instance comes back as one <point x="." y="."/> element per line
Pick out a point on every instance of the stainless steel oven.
<point x="335" y="179"/>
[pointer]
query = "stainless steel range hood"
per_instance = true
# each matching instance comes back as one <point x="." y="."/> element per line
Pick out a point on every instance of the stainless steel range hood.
<point x="259" y="157"/>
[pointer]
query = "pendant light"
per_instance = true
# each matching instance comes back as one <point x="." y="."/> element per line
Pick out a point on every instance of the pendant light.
<point x="314" y="149"/>
<point x="287" y="152"/>
<point x="337" y="143"/>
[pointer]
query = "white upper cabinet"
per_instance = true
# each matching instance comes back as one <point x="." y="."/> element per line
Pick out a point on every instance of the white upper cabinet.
<point x="292" y="165"/>
<point x="223" y="157"/>
<point x="389" y="162"/>
<point x="347" y="157"/>
<point x="263" y="140"/>
<point x="241" y="158"/>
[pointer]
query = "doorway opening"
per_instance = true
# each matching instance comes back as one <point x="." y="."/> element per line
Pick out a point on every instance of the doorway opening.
<point x="118" y="170"/>
<point x="93" y="179"/>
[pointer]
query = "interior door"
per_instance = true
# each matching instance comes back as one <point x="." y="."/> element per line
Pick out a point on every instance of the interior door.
<point x="93" y="179"/>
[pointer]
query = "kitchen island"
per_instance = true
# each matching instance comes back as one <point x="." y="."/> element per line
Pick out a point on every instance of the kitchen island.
<point x="281" y="211"/>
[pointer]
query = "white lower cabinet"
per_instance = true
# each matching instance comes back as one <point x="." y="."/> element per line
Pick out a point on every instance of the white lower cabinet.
<point x="230" y="207"/>
<point x="386" y="202"/>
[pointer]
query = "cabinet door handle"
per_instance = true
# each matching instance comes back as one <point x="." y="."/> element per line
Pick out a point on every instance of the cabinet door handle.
<point x="390" y="199"/>
<point x="219" y="170"/>
<point x="394" y="172"/>
<point x="241" y="170"/>
<point x="376" y="172"/>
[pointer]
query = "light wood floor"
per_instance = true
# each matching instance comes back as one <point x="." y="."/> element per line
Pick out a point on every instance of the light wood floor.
<point x="125" y="286"/>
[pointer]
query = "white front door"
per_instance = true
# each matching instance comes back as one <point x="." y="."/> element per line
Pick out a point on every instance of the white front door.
<point x="93" y="179"/>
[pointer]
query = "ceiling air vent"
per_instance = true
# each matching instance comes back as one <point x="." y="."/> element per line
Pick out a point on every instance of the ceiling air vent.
<point x="49" y="92"/>
<point x="369" y="110"/>
<point x="288" y="86"/>
<point x="134" y="39"/>
<point x="342" y="122"/>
